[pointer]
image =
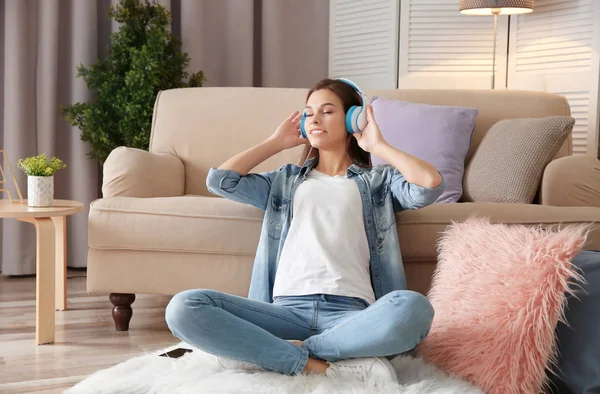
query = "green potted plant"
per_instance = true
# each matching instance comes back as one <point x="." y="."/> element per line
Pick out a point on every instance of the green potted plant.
<point x="40" y="179"/>
<point x="144" y="58"/>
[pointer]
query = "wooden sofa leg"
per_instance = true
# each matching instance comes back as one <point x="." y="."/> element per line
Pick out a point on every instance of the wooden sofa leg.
<point x="122" y="311"/>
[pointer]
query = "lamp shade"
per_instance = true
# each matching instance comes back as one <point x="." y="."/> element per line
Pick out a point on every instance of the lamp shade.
<point x="500" y="7"/>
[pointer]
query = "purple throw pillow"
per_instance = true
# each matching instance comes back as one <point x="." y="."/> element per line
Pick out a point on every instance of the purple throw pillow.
<point x="440" y="135"/>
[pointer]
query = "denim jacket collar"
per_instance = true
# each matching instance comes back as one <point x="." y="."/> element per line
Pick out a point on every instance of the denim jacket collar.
<point x="310" y="164"/>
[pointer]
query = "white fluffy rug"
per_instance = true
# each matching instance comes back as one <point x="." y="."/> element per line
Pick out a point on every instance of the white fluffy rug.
<point x="198" y="372"/>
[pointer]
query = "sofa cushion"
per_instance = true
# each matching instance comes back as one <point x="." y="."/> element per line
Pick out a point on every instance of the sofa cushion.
<point x="207" y="224"/>
<point x="510" y="161"/>
<point x="418" y="230"/>
<point x="440" y="135"/>
<point x="177" y="224"/>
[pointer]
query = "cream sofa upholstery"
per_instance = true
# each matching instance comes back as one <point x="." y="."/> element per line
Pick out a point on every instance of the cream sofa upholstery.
<point x="158" y="230"/>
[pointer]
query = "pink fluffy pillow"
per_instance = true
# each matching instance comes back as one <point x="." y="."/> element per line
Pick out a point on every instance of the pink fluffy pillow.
<point x="498" y="293"/>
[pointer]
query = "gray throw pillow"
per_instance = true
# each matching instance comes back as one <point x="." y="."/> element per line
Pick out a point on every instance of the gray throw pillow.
<point x="508" y="164"/>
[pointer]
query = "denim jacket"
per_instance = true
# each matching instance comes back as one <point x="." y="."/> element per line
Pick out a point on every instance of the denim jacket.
<point x="383" y="190"/>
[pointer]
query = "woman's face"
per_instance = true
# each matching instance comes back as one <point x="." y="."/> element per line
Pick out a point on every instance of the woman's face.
<point x="325" y="122"/>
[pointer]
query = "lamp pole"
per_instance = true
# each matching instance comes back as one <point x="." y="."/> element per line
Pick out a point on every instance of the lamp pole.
<point x="495" y="12"/>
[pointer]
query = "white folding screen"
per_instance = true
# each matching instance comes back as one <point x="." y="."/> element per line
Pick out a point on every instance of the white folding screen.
<point x="443" y="49"/>
<point x="363" y="42"/>
<point x="428" y="44"/>
<point x="556" y="49"/>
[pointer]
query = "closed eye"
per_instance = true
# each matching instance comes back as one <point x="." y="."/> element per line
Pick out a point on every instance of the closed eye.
<point x="324" y="112"/>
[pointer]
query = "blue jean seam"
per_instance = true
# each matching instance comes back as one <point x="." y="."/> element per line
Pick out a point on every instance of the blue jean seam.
<point x="302" y="363"/>
<point x="337" y="327"/>
<point x="305" y="347"/>
<point x="326" y="333"/>
<point x="304" y="356"/>
<point x="259" y="310"/>
<point x="315" y="315"/>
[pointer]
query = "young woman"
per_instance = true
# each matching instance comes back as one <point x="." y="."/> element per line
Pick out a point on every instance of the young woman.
<point x="328" y="292"/>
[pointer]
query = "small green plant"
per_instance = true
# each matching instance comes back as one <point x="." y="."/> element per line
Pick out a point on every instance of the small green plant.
<point x="40" y="166"/>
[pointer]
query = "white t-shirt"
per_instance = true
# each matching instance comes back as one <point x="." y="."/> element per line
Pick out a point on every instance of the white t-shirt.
<point x="326" y="250"/>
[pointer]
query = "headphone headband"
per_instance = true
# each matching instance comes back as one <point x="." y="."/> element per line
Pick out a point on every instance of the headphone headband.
<point x="355" y="87"/>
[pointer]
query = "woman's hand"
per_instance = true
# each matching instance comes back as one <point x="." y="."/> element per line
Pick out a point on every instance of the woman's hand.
<point x="288" y="135"/>
<point x="371" y="136"/>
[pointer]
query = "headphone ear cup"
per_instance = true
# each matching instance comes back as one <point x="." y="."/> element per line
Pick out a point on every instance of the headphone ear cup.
<point x="352" y="118"/>
<point x="302" y="130"/>
<point x="361" y="121"/>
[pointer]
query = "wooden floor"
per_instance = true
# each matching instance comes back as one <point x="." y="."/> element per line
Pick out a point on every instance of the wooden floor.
<point x="86" y="340"/>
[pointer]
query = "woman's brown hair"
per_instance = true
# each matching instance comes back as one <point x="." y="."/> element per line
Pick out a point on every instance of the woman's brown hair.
<point x="349" y="97"/>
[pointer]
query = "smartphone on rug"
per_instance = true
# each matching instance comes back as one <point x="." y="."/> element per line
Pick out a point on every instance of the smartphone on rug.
<point x="176" y="353"/>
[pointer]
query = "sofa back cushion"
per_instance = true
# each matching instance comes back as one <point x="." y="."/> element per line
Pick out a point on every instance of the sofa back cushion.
<point x="206" y="126"/>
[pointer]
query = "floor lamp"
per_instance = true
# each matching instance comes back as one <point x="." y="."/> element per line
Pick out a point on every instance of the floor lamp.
<point x="495" y="7"/>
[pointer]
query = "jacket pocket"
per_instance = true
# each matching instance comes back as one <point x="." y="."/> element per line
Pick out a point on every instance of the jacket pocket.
<point x="380" y="195"/>
<point x="277" y="213"/>
<point x="383" y="208"/>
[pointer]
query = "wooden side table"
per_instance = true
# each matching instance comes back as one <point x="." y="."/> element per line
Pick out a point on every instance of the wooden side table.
<point x="51" y="260"/>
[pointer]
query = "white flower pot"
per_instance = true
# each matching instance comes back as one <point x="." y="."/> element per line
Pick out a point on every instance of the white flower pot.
<point x="40" y="191"/>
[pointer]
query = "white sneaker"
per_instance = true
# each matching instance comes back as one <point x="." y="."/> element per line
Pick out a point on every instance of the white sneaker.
<point x="229" y="363"/>
<point x="376" y="368"/>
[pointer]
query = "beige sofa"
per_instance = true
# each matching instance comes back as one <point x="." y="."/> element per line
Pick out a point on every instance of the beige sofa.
<point x="158" y="230"/>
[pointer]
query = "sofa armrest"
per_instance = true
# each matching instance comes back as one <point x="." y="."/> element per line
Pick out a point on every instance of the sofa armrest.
<point x="571" y="181"/>
<point x="130" y="172"/>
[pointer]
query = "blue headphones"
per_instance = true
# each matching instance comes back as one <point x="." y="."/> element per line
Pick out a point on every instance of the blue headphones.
<point x="356" y="117"/>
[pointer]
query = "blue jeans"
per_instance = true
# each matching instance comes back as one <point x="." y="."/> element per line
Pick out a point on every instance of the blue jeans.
<point x="331" y="327"/>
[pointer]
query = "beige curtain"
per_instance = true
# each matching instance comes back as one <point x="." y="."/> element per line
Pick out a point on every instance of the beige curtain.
<point x="275" y="43"/>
